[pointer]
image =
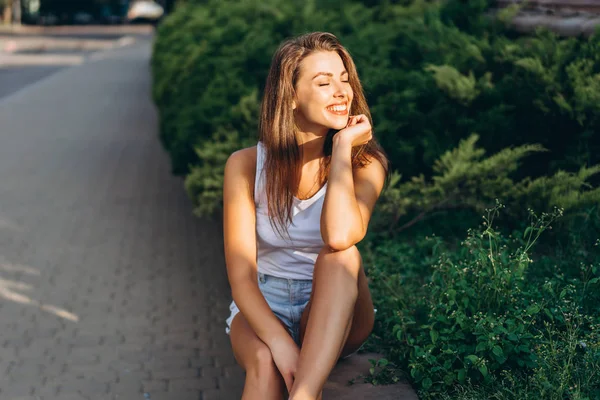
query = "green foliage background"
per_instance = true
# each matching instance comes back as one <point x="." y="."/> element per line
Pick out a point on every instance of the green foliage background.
<point x="468" y="113"/>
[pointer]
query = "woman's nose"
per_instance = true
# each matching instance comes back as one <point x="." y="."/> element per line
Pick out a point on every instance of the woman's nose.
<point x="341" y="91"/>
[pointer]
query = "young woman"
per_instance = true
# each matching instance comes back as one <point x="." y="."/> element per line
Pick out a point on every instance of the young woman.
<point x="295" y="206"/>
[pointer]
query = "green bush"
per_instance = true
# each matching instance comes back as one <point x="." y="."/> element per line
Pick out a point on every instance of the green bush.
<point x="476" y="315"/>
<point x="476" y="319"/>
<point x="430" y="82"/>
<point x="205" y="59"/>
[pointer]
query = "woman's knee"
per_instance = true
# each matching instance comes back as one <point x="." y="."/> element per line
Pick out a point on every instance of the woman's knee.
<point x="349" y="258"/>
<point x="261" y="363"/>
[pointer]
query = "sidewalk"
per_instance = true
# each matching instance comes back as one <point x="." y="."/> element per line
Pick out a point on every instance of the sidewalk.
<point x="109" y="287"/>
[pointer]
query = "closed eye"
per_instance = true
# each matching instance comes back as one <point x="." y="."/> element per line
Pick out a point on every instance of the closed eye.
<point x="327" y="84"/>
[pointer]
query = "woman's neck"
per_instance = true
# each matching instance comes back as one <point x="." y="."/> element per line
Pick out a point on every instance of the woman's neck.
<point x="311" y="146"/>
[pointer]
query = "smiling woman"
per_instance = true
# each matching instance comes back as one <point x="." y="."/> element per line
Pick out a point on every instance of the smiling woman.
<point x="305" y="195"/>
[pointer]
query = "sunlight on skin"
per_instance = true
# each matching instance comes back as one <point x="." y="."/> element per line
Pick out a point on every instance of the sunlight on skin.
<point x="8" y="287"/>
<point x="302" y="394"/>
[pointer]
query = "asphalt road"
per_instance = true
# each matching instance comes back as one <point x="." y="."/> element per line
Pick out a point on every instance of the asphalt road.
<point x="46" y="50"/>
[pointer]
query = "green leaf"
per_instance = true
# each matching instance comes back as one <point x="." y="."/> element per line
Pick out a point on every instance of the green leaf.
<point x="499" y="354"/>
<point x="461" y="374"/>
<point x="416" y="374"/>
<point x="383" y="362"/>
<point x="481" y="346"/>
<point x="434" y="335"/>
<point x="497" y="350"/>
<point x="399" y="334"/>
<point x="483" y="369"/>
<point x="427" y="383"/>
<point x="524" y="349"/>
<point x="533" y="309"/>
<point x="472" y="358"/>
<point x="531" y="363"/>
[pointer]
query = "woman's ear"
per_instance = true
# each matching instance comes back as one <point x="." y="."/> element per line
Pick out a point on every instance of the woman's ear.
<point x="293" y="105"/>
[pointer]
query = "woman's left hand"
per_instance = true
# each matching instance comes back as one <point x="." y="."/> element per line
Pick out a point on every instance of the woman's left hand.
<point x="357" y="132"/>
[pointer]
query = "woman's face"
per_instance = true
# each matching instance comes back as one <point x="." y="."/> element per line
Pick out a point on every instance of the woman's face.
<point x="323" y="94"/>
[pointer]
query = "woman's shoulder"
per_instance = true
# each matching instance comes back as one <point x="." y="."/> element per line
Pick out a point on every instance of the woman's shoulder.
<point x="242" y="162"/>
<point x="245" y="157"/>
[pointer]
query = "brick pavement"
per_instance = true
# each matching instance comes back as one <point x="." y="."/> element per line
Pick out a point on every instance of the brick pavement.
<point x="109" y="287"/>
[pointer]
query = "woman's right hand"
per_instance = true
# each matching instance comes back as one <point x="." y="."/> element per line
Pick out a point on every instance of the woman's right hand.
<point x="358" y="131"/>
<point x="285" y="355"/>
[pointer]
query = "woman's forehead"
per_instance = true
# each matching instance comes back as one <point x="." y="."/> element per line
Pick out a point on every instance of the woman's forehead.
<point x="322" y="61"/>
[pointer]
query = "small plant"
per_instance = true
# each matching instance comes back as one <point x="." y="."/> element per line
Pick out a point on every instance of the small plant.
<point x="382" y="372"/>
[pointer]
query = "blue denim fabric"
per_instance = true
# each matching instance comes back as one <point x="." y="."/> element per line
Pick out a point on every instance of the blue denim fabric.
<point x="287" y="298"/>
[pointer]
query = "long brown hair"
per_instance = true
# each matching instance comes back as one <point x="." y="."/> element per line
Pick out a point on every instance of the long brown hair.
<point x="277" y="129"/>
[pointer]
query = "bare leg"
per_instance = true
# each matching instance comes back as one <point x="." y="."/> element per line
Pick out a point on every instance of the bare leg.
<point x="263" y="380"/>
<point x="339" y="319"/>
<point x="362" y="321"/>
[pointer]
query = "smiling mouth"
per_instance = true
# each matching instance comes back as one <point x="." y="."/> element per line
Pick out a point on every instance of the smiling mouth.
<point x="338" y="109"/>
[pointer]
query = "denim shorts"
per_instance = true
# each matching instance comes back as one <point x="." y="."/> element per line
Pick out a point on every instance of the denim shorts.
<point x="287" y="298"/>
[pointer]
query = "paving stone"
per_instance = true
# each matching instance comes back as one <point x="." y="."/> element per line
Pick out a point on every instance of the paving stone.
<point x="169" y="363"/>
<point x="157" y="385"/>
<point x="235" y="372"/>
<point x="26" y="372"/>
<point x="202" y="361"/>
<point x="15" y="389"/>
<point x="175" y="373"/>
<point x="192" y="384"/>
<point x="24" y="398"/>
<point x="178" y="395"/>
<point x="78" y="396"/>
<point x="211" y="372"/>
<point x="338" y="387"/>
<point x="228" y="393"/>
<point x="133" y="387"/>
<point x="85" y="386"/>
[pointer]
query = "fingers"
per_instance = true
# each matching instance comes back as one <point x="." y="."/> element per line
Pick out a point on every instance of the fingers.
<point x="361" y="118"/>
<point x="351" y="121"/>
<point x="364" y="121"/>
<point x="362" y="134"/>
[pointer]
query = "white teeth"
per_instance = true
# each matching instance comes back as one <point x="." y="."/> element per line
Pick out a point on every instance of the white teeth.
<point x="337" y="108"/>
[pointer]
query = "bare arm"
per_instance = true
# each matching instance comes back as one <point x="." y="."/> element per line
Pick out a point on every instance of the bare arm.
<point x="239" y="229"/>
<point x="350" y="199"/>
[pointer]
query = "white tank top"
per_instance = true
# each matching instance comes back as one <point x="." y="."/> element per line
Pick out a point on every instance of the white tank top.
<point x="293" y="257"/>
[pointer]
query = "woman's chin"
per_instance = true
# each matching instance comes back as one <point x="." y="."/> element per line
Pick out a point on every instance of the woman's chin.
<point x="338" y="125"/>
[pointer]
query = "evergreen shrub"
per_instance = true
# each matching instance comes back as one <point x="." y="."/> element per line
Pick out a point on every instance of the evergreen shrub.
<point x="468" y="113"/>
